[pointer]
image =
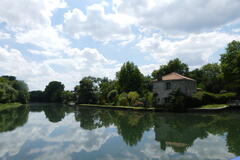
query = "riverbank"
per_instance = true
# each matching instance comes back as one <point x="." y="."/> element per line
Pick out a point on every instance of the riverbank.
<point x="120" y="107"/>
<point x="4" y="106"/>
<point x="206" y="108"/>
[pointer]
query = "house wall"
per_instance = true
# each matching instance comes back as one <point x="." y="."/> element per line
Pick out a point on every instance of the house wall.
<point x="186" y="86"/>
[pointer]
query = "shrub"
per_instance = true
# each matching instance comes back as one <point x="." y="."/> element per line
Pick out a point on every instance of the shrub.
<point x="123" y="99"/>
<point x="112" y="96"/>
<point x="133" y="97"/>
<point x="148" y="99"/>
<point x="204" y="98"/>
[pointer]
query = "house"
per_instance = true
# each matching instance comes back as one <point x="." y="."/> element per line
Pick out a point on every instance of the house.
<point x="170" y="82"/>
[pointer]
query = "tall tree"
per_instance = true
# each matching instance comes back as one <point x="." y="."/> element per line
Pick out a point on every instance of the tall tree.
<point x="86" y="91"/>
<point x="53" y="91"/>
<point x="209" y="77"/>
<point x="173" y="66"/>
<point x="230" y="64"/>
<point x="129" y="78"/>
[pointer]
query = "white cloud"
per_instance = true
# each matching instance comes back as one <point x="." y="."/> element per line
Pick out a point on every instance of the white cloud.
<point x="4" y="35"/>
<point x="68" y="70"/>
<point x="180" y="16"/>
<point x="97" y="24"/>
<point x="25" y="14"/>
<point x="195" y="49"/>
<point x="75" y="138"/>
<point x="47" y="38"/>
<point x="148" y="69"/>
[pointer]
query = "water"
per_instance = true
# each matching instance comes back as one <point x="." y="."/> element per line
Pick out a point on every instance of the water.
<point x="56" y="132"/>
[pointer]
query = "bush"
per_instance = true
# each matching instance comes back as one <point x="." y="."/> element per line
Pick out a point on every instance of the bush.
<point x="123" y="99"/>
<point x="203" y="98"/>
<point x="112" y="96"/>
<point x="148" y="99"/>
<point x="133" y="97"/>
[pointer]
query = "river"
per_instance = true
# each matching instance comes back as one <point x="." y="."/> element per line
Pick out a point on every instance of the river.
<point x="59" y="132"/>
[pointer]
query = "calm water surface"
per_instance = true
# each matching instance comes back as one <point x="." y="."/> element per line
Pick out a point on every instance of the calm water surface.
<point x="57" y="132"/>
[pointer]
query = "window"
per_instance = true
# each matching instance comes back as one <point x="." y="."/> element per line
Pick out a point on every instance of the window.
<point x="168" y="85"/>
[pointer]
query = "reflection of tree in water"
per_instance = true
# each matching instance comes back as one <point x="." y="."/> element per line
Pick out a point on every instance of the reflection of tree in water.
<point x="132" y="125"/>
<point x="88" y="118"/>
<point x="56" y="112"/>
<point x="179" y="131"/>
<point x="13" y="118"/>
<point x="230" y="124"/>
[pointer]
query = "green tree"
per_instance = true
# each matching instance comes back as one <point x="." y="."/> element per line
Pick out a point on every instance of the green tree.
<point x="209" y="77"/>
<point x="105" y="86"/>
<point x="36" y="96"/>
<point x="22" y="88"/>
<point x="53" y="91"/>
<point x="68" y="96"/>
<point x="129" y="78"/>
<point x="230" y="65"/>
<point x="133" y="97"/>
<point x="173" y="66"/>
<point x="86" y="91"/>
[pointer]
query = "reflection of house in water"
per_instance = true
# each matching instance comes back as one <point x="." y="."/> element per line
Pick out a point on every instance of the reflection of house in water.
<point x="170" y="82"/>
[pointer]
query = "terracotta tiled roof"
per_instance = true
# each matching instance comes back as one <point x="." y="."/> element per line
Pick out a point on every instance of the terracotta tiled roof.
<point x="175" y="76"/>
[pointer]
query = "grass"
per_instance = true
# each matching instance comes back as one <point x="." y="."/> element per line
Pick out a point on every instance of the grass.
<point x="116" y="107"/>
<point x="213" y="106"/>
<point x="4" y="106"/>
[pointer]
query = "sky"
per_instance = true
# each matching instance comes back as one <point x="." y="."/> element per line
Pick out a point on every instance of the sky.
<point x="66" y="40"/>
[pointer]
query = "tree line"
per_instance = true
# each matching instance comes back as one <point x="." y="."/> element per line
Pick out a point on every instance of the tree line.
<point x="131" y="87"/>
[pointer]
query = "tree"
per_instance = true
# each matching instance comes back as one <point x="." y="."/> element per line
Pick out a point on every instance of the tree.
<point x="129" y="78"/>
<point x="230" y="65"/>
<point x="36" y="96"/>
<point x="53" y="91"/>
<point x="68" y="96"/>
<point x="22" y="88"/>
<point x="209" y="77"/>
<point x="173" y="66"/>
<point x="105" y="86"/>
<point x="86" y="91"/>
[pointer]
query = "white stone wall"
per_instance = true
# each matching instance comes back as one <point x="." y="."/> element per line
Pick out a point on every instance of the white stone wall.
<point x="186" y="86"/>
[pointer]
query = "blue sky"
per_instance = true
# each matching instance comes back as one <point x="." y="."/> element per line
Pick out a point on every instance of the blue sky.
<point x="65" y="40"/>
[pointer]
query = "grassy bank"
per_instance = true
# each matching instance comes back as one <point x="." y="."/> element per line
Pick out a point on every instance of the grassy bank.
<point x="118" y="107"/>
<point x="213" y="106"/>
<point x="4" y="106"/>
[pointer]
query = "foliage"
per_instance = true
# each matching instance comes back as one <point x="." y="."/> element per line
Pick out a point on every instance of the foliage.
<point x="37" y="96"/>
<point x="105" y="87"/>
<point x="149" y="99"/>
<point x="22" y="88"/>
<point x="211" y="98"/>
<point x="112" y="96"/>
<point x="86" y="91"/>
<point x="177" y="101"/>
<point x="53" y="91"/>
<point x="133" y="97"/>
<point x="230" y="65"/>
<point x="129" y="78"/>
<point x="209" y="77"/>
<point x="68" y="96"/>
<point x="123" y="99"/>
<point x="13" y="90"/>
<point x="173" y="66"/>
